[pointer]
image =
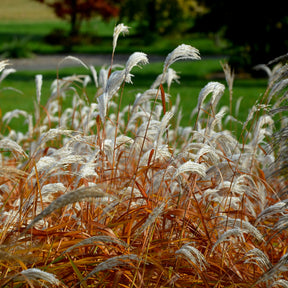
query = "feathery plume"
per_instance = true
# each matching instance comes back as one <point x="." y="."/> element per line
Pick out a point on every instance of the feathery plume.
<point x="272" y="210"/>
<point x="217" y="90"/>
<point x="94" y="75"/>
<point x="278" y="268"/>
<point x="39" y="81"/>
<point x="244" y="226"/>
<point x="35" y="274"/>
<point x="235" y="232"/>
<point x="136" y="59"/>
<point x="146" y="96"/>
<point x="160" y="154"/>
<point x="280" y="283"/>
<point x="182" y="52"/>
<point x="6" y="72"/>
<point x="52" y="134"/>
<point x="191" y="167"/>
<point x="260" y="132"/>
<point x="3" y="64"/>
<point x="163" y="125"/>
<point x="229" y="75"/>
<point x="114" y="82"/>
<point x="52" y="188"/>
<point x="111" y="263"/>
<point x="263" y="67"/>
<point x="281" y="225"/>
<point x="259" y="258"/>
<point x="120" y="28"/>
<point x="97" y="240"/>
<point x="193" y="255"/>
<point x="9" y="144"/>
<point x="208" y="153"/>
<point x="277" y="88"/>
<point x="151" y="218"/>
<point x="12" y="173"/>
<point x="102" y="104"/>
<point x="69" y="198"/>
<point x="14" y="114"/>
<point x="168" y="77"/>
<point x="171" y="76"/>
<point x="74" y="59"/>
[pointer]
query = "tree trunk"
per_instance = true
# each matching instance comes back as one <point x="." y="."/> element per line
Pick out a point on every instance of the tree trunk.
<point x="74" y="27"/>
<point x="152" y="17"/>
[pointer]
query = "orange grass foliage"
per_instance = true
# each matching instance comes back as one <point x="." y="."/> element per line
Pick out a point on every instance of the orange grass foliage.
<point x="144" y="213"/>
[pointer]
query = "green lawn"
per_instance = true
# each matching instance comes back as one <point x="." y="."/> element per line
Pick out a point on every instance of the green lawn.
<point x="32" y="37"/>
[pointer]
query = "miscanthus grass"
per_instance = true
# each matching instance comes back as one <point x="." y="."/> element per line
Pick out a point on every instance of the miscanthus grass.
<point x="102" y="195"/>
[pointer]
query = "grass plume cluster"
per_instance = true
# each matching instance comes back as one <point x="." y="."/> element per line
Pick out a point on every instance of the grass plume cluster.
<point x="100" y="195"/>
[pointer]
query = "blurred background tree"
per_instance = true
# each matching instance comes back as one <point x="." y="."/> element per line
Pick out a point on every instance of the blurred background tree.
<point x="160" y="17"/>
<point x="75" y="11"/>
<point x="257" y="30"/>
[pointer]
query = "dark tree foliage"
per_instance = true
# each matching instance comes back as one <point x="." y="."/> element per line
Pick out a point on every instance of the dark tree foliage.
<point x="78" y="10"/>
<point x="257" y="30"/>
<point x="158" y="17"/>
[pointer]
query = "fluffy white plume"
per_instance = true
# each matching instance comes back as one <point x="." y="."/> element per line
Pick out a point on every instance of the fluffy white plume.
<point x="136" y="59"/>
<point x="217" y="90"/>
<point x="35" y="274"/>
<point x="73" y="59"/>
<point x="182" y="52"/>
<point x="39" y="82"/>
<point x="191" y="167"/>
<point x="120" y="28"/>
<point x="102" y="105"/>
<point x="235" y="232"/>
<point x="259" y="258"/>
<point x="3" y="64"/>
<point x="244" y="226"/>
<point x="278" y="207"/>
<point x="11" y="145"/>
<point x="14" y="114"/>
<point x="151" y="218"/>
<point x="94" y="75"/>
<point x="166" y="77"/>
<point x="6" y="72"/>
<point x="193" y="255"/>
<point x="113" y="263"/>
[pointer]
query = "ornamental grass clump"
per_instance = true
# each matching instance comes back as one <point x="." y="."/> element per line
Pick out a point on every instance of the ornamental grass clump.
<point x="100" y="195"/>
